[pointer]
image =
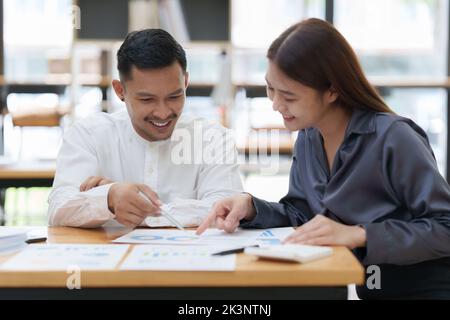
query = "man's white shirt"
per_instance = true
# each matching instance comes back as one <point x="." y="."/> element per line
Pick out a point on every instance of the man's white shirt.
<point x="198" y="162"/>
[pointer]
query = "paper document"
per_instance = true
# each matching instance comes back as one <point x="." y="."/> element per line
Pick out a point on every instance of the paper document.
<point x="211" y="237"/>
<point x="177" y="258"/>
<point x="61" y="257"/>
<point x="12" y="239"/>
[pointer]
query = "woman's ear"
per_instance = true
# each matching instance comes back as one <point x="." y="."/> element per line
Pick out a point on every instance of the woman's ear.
<point x="332" y="95"/>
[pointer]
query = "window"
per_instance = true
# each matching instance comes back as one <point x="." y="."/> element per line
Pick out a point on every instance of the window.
<point x="252" y="34"/>
<point x="403" y="40"/>
<point x="268" y="19"/>
<point x="396" y="37"/>
<point x="42" y="44"/>
<point x="427" y="107"/>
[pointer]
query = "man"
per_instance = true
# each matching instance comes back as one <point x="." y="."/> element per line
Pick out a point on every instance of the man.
<point x="124" y="166"/>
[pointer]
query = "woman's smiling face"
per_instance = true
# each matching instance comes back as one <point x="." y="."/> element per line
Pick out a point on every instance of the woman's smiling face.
<point x="300" y="106"/>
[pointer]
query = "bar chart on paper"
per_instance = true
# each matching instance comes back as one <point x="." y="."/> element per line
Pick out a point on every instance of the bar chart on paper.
<point x="177" y="258"/>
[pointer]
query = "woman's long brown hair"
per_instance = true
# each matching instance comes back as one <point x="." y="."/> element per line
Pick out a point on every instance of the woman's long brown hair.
<point x="315" y="54"/>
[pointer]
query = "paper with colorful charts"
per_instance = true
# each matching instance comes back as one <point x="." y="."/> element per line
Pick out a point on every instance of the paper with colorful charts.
<point x="177" y="258"/>
<point x="211" y="237"/>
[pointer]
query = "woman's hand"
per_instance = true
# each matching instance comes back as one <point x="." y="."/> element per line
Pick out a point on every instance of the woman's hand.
<point x="227" y="213"/>
<point x="322" y="231"/>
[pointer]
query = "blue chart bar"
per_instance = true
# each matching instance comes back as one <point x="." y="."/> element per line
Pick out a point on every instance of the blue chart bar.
<point x="267" y="233"/>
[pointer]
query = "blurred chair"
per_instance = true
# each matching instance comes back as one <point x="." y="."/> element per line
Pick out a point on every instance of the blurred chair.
<point x="23" y="118"/>
<point x="39" y="117"/>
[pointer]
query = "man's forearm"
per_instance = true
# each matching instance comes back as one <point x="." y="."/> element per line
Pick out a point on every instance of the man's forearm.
<point x="82" y="209"/>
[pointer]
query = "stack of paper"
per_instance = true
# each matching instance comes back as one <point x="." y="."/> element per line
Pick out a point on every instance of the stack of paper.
<point x="62" y="257"/>
<point x="12" y="239"/>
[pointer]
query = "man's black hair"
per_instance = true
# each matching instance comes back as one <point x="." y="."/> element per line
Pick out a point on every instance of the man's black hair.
<point x="149" y="49"/>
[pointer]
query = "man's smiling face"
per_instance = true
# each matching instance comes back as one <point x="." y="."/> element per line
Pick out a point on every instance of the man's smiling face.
<point x="154" y="98"/>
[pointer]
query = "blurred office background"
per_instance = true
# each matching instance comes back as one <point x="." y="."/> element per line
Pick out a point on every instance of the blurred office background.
<point x="52" y="73"/>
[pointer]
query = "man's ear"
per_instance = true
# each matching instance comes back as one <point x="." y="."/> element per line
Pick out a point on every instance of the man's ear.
<point x="186" y="80"/>
<point x="119" y="89"/>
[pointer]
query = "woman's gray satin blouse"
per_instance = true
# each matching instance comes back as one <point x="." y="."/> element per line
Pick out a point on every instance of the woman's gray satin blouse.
<point x="384" y="178"/>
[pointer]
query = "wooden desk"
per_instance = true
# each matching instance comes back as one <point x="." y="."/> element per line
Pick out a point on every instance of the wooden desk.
<point x="252" y="279"/>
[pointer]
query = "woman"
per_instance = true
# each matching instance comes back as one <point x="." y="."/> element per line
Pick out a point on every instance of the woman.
<point x="362" y="177"/>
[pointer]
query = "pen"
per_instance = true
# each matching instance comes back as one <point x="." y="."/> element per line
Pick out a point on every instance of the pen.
<point x="231" y="251"/>
<point x="35" y="240"/>
<point x="165" y="213"/>
<point x="171" y="219"/>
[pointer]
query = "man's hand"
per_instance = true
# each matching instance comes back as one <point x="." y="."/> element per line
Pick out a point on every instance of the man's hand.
<point x="322" y="231"/>
<point x="227" y="213"/>
<point x="93" y="182"/>
<point x="129" y="206"/>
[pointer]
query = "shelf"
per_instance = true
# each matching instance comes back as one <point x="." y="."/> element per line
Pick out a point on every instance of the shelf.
<point x="60" y="80"/>
<point x="380" y="82"/>
<point x="284" y="148"/>
<point x="205" y="85"/>
<point x="28" y="170"/>
<point x="37" y="119"/>
<point x="418" y="82"/>
<point x="96" y="80"/>
<point x="256" y="143"/>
